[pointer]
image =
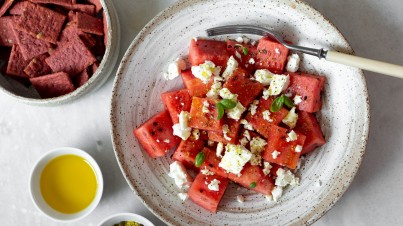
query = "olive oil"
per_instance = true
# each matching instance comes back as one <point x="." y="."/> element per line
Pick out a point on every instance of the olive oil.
<point x="68" y="184"/>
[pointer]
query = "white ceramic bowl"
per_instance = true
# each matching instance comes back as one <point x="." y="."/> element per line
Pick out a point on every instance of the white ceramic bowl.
<point x="116" y="218"/>
<point x="37" y="197"/>
<point x="344" y="118"/>
<point x="30" y="96"/>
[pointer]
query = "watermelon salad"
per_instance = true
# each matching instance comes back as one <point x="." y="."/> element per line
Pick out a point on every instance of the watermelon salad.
<point x="245" y="115"/>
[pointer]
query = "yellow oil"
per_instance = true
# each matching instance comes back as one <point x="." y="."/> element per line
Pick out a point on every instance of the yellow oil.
<point x="68" y="184"/>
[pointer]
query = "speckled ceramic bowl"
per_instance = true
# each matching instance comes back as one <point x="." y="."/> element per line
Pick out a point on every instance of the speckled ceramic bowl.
<point x="325" y="173"/>
<point x="29" y="95"/>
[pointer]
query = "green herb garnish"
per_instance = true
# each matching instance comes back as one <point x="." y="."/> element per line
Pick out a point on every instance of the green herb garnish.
<point x="228" y="104"/>
<point x="288" y="102"/>
<point x="220" y="109"/>
<point x="278" y="103"/>
<point x="199" y="159"/>
<point x="245" y="50"/>
<point x="252" y="185"/>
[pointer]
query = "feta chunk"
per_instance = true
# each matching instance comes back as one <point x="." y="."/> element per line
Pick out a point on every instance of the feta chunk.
<point x="232" y="64"/>
<point x="207" y="172"/>
<point x="257" y="145"/>
<point x="256" y="159"/>
<point x="275" y="154"/>
<point x="286" y="177"/>
<point x="167" y="141"/>
<point x="210" y="143"/>
<point x="236" y="112"/>
<point x="239" y="39"/>
<point x="226" y="94"/>
<point x="293" y="62"/>
<point x="266" y="116"/>
<point x="183" y="196"/>
<point x="181" y="129"/>
<point x="235" y="158"/>
<point x="263" y="76"/>
<point x="246" y="124"/>
<point x="269" y="198"/>
<point x="240" y="198"/>
<point x="205" y="71"/>
<point x="297" y="99"/>
<point x="175" y="68"/>
<point x="253" y="107"/>
<point x="205" y="107"/>
<point x="298" y="148"/>
<point x="266" y="168"/>
<point x="238" y="55"/>
<point x="196" y="134"/>
<point x="220" y="149"/>
<point x="251" y="61"/>
<point x="276" y="193"/>
<point x="246" y="134"/>
<point x="292" y="136"/>
<point x="214" y="185"/>
<point x="225" y="131"/>
<point x="278" y="84"/>
<point x="277" y="51"/>
<point x="266" y="94"/>
<point x="244" y="141"/>
<point x="178" y="172"/>
<point x="214" y="91"/>
<point x="291" y="118"/>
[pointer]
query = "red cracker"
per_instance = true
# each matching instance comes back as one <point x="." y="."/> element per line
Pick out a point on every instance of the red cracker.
<point x="71" y="32"/>
<point x="54" y="2"/>
<point x="38" y="66"/>
<point x="90" y="24"/>
<point x="81" y="79"/>
<point x="53" y="85"/>
<point x="97" y="3"/>
<point x="16" y="63"/>
<point x="6" y="5"/>
<point x="72" y="58"/>
<point x="19" y="7"/>
<point x="7" y="37"/>
<point x="41" y="22"/>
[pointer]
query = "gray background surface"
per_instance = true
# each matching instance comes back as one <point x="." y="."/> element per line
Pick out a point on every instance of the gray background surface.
<point x="373" y="28"/>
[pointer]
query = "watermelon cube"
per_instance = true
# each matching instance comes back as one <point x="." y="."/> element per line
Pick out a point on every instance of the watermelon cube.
<point x="156" y="135"/>
<point x="187" y="151"/>
<point x="211" y="163"/>
<point x="232" y="135"/>
<point x="202" y="195"/>
<point x="204" y="120"/>
<point x="248" y="60"/>
<point x="195" y="86"/>
<point x="246" y="88"/>
<point x="271" y="55"/>
<point x="309" y="87"/>
<point x="281" y="152"/>
<point x="175" y="102"/>
<point x="211" y="50"/>
<point x="308" y="125"/>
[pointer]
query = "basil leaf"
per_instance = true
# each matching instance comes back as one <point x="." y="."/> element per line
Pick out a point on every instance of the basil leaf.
<point x="252" y="185"/>
<point x="288" y="102"/>
<point x="220" y="109"/>
<point x="245" y="51"/>
<point x="228" y="104"/>
<point x="277" y="104"/>
<point x="199" y="159"/>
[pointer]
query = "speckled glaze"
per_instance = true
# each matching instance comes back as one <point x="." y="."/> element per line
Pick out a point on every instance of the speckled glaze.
<point x="30" y="96"/>
<point x="325" y="173"/>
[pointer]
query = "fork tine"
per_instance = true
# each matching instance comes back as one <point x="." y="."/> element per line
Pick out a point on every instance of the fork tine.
<point x="234" y="30"/>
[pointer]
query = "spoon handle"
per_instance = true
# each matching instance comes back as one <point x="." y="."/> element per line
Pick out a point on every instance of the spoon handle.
<point x="366" y="64"/>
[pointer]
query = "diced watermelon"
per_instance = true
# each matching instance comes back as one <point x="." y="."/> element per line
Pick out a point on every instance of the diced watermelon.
<point x="204" y="120"/>
<point x="246" y="88"/>
<point x="202" y="50"/>
<point x="277" y="142"/>
<point x="254" y="174"/>
<point x="233" y="126"/>
<point x="203" y="196"/>
<point x="309" y="88"/>
<point x="156" y="135"/>
<point x="308" y="125"/>
<point x="175" y="102"/>
<point x="245" y="61"/>
<point x="187" y="151"/>
<point x="274" y="168"/>
<point x="271" y="55"/>
<point x="262" y="125"/>
<point x="195" y="86"/>
<point x="211" y="163"/>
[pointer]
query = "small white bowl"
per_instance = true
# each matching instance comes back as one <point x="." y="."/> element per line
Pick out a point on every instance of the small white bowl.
<point x="117" y="218"/>
<point x="35" y="191"/>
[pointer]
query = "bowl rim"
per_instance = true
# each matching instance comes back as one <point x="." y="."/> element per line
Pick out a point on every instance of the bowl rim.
<point x="109" y="12"/>
<point x="173" y="8"/>
<point x="129" y="215"/>
<point x="37" y="169"/>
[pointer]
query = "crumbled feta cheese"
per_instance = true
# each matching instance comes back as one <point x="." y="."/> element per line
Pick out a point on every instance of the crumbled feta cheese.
<point x="178" y="172"/>
<point x="276" y="193"/>
<point x="236" y="112"/>
<point x="167" y="141"/>
<point x="257" y="145"/>
<point x="266" y="168"/>
<point x="205" y="107"/>
<point x="214" y="185"/>
<point x="289" y="95"/>
<point x="210" y="143"/>
<point x="269" y="198"/>
<point x="244" y="141"/>
<point x="226" y="94"/>
<point x="298" y="148"/>
<point x="205" y="71"/>
<point x="278" y="84"/>
<point x="297" y="99"/>
<point x="183" y="196"/>
<point x="214" y="91"/>
<point x="181" y="129"/>
<point x="266" y="116"/>
<point x="276" y="50"/>
<point x="158" y="140"/>
<point x="292" y="136"/>
<point x="207" y="172"/>
<point x="220" y="149"/>
<point x="175" y="68"/>
<point x="286" y="177"/>
<point x="238" y="55"/>
<point x="253" y="107"/>
<point x="246" y="134"/>
<point x="263" y="76"/>
<point x="251" y="61"/>
<point x="232" y="64"/>
<point x="253" y="42"/>
<point x="275" y="154"/>
<point x="195" y="39"/>
<point x="293" y="62"/>
<point x="196" y="134"/>
<point x="225" y="131"/>
<point x="256" y="160"/>
<point x="291" y="118"/>
<point x="235" y="157"/>
<point x="240" y="198"/>
<point x="266" y="94"/>
<point x="246" y="124"/>
<point x="239" y="39"/>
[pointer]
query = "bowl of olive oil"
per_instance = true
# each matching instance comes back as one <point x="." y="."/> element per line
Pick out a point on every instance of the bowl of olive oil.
<point x="66" y="184"/>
